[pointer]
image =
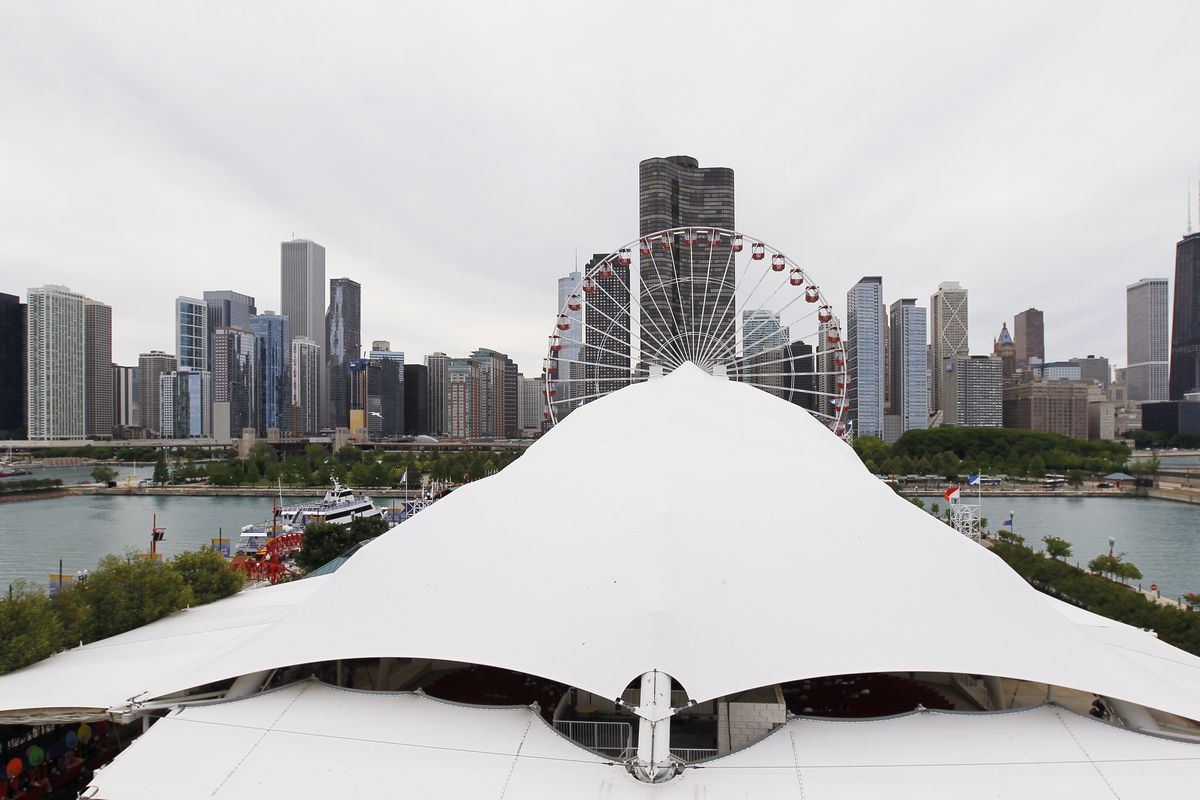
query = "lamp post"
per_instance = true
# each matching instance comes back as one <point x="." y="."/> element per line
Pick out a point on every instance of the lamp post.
<point x="1112" y="541"/>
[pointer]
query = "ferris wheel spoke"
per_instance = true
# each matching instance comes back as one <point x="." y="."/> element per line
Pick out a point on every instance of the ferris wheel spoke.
<point x="662" y="284"/>
<point x="658" y="318"/>
<point x="723" y="285"/>
<point x="642" y="344"/>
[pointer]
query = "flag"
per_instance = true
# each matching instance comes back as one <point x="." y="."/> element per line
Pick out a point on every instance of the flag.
<point x="404" y="477"/>
<point x="1008" y="521"/>
<point x="973" y="480"/>
<point x="951" y="494"/>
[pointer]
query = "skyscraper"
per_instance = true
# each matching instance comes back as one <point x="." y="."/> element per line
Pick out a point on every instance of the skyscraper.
<point x="464" y="390"/>
<point x="532" y="403"/>
<point x="765" y="357"/>
<point x="909" y="370"/>
<point x="151" y="367"/>
<point x="97" y="367"/>
<point x="439" y="397"/>
<point x="125" y="399"/>
<point x="570" y="358"/>
<point x="185" y="403"/>
<point x="13" y="375"/>
<point x="498" y="393"/>
<point x="191" y="333"/>
<point x="343" y="344"/>
<point x="606" y="332"/>
<point x="273" y="358"/>
<point x="1029" y="336"/>
<point x="227" y="309"/>
<point x="1185" y="330"/>
<point x="948" y="336"/>
<point x="864" y="355"/>
<point x="416" y="399"/>
<point x="302" y="289"/>
<point x="235" y="382"/>
<point x="1146" y="338"/>
<point x="1095" y="369"/>
<point x="975" y="392"/>
<point x="305" y="384"/>
<point x="683" y="290"/>
<point x="385" y="392"/>
<point x="55" y="365"/>
<point x="1004" y="349"/>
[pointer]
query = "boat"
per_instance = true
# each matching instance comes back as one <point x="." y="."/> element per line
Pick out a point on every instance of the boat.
<point x="339" y="506"/>
<point x="10" y="470"/>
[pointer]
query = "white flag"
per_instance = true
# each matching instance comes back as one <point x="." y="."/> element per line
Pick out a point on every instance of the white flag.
<point x="404" y="477"/>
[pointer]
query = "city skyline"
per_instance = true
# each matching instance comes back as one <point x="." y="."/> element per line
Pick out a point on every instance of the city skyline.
<point x="932" y="174"/>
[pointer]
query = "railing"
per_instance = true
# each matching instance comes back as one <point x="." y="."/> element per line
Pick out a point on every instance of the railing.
<point x="611" y="738"/>
<point x="690" y="754"/>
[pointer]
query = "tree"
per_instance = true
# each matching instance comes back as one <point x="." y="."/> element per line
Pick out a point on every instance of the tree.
<point x="348" y="455"/>
<point x="1057" y="548"/>
<point x="161" y="473"/>
<point x="29" y="628"/>
<point x="323" y="542"/>
<point x="126" y="592"/>
<point x="102" y="473"/>
<point x="207" y="574"/>
<point x="1075" y="478"/>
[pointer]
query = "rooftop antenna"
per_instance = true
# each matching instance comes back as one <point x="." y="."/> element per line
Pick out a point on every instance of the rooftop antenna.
<point x="1189" y="228"/>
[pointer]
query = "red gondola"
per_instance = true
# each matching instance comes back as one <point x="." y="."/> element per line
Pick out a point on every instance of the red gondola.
<point x="555" y="343"/>
<point x="550" y="366"/>
<point x="833" y="337"/>
<point x="758" y="251"/>
<point x="665" y="242"/>
<point x="811" y="295"/>
<point x="714" y="238"/>
<point x="825" y="314"/>
<point x="689" y="238"/>
<point x="841" y="431"/>
<point x="550" y="390"/>
<point x="623" y="257"/>
<point x="604" y="270"/>
<point x="797" y="277"/>
<point x="545" y="415"/>
<point x="644" y="248"/>
<point x="564" y="322"/>
<point x="588" y="285"/>
<point x="574" y="302"/>
<point x="778" y="262"/>
<point x="838" y="361"/>
<point x="736" y="244"/>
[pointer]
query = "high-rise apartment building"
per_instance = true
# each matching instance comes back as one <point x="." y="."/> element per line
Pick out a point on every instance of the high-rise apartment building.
<point x="125" y="399"/>
<point x="685" y="291"/>
<point x="765" y="358"/>
<point x="1094" y="369"/>
<point x="151" y="367"/>
<point x="975" y="392"/>
<point x="305" y="384"/>
<point x="302" y="289"/>
<point x="13" y="375"/>
<point x="97" y="368"/>
<point x="909" y="370"/>
<point x="1147" y="344"/>
<point x="185" y="404"/>
<point x="227" y="309"/>
<point x="416" y="400"/>
<point x="465" y="398"/>
<point x="1054" y="406"/>
<point x="948" y="338"/>
<point x="439" y="397"/>
<point x="606" y="332"/>
<point x="235" y="382"/>
<point x="1029" y="336"/>
<point x="498" y="393"/>
<point x="273" y="358"/>
<point x="343" y="344"/>
<point x="191" y="333"/>
<point x="864" y="355"/>
<point x="1185" y="330"/>
<point x="385" y="392"/>
<point x="55" y="363"/>
<point x="531" y="403"/>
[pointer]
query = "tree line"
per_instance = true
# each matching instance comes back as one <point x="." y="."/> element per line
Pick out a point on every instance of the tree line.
<point x="955" y="452"/>
<point x="122" y="593"/>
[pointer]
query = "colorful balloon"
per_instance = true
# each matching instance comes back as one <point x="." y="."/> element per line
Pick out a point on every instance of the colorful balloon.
<point x="85" y="732"/>
<point x="14" y="767"/>
<point x="72" y="739"/>
<point x="35" y="755"/>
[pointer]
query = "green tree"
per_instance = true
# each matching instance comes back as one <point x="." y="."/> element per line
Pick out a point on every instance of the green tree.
<point x="207" y="574"/>
<point x="348" y="455"/>
<point x="29" y="628"/>
<point x="1056" y="547"/>
<point x="324" y="541"/>
<point x="161" y="473"/>
<point x="102" y="473"/>
<point x="126" y="592"/>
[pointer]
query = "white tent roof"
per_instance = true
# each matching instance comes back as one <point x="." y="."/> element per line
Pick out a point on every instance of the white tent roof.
<point x="312" y="740"/>
<point x="688" y="524"/>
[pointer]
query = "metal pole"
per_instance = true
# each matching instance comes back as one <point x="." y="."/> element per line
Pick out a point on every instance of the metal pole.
<point x="60" y="574"/>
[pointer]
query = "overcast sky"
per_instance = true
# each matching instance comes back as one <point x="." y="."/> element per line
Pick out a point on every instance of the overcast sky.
<point x="452" y="157"/>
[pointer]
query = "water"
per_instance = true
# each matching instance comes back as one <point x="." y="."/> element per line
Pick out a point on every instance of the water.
<point x="73" y="475"/>
<point x="1162" y="538"/>
<point x="35" y="534"/>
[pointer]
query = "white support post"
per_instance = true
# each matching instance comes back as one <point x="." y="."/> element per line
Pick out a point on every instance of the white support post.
<point x="653" y="763"/>
<point x="247" y="685"/>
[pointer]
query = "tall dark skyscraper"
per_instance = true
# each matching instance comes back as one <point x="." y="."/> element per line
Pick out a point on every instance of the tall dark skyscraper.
<point x="273" y="362"/>
<point x="685" y="288"/>
<point x="97" y="370"/>
<point x="343" y="344"/>
<point x="12" y="365"/>
<point x="606" y="332"/>
<point x="416" y="399"/>
<point x="1185" y="324"/>
<point x="151" y="367"/>
<point x="226" y="309"/>
<point x="1029" y="335"/>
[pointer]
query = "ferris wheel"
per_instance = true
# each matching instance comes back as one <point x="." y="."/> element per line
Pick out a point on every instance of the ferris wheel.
<point x="727" y="302"/>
